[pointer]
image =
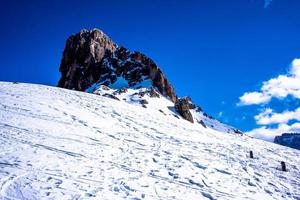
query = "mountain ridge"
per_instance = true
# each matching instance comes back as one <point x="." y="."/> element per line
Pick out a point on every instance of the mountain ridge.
<point x="289" y="139"/>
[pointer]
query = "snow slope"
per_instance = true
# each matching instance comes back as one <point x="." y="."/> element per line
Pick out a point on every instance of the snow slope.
<point x="141" y="92"/>
<point x="62" y="144"/>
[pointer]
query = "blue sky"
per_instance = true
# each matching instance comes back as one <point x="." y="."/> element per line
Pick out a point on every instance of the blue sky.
<point x="211" y="50"/>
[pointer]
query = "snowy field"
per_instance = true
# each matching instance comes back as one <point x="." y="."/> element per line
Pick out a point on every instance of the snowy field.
<point x="62" y="144"/>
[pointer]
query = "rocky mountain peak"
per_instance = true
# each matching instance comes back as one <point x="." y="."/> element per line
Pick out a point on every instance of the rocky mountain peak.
<point x="80" y="65"/>
<point x="92" y="62"/>
<point x="134" y="69"/>
<point x="92" y="57"/>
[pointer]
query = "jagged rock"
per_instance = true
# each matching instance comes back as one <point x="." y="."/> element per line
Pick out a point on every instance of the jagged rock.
<point x="208" y="116"/>
<point x="135" y="68"/>
<point x="289" y="139"/>
<point x="202" y="123"/>
<point x="162" y="111"/>
<point x="198" y="109"/>
<point x="120" y="91"/>
<point x="183" y="106"/>
<point x="143" y="101"/>
<point x="92" y="57"/>
<point x="237" y="131"/>
<point x="111" y="96"/>
<point x="154" y="93"/>
<point x="142" y="93"/>
<point x="81" y="62"/>
<point x="104" y="87"/>
<point x="176" y="116"/>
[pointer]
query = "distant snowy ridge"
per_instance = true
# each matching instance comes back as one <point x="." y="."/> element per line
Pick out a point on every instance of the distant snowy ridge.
<point x="63" y="144"/>
<point x="289" y="139"/>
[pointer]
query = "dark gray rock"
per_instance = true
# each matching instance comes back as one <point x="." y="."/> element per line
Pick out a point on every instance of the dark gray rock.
<point x="154" y="93"/>
<point x="143" y="101"/>
<point x="183" y="106"/>
<point x="202" y="123"/>
<point x="111" y="96"/>
<point x="120" y="91"/>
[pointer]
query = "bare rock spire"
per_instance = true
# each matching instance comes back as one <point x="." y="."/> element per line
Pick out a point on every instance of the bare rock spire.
<point x="80" y="64"/>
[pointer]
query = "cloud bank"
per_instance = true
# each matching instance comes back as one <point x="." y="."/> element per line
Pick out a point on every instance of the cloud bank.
<point x="269" y="134"/>
<point x="280" y="88"/>
<point x="268" y="117"/>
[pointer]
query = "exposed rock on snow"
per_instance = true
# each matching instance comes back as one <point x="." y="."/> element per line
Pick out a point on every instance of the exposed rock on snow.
<point x="80" y="65"/>
<point x="183" y="106"/>
<point x="137" y="70"/>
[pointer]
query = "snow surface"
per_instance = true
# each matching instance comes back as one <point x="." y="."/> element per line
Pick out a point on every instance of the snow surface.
<point x="211" y="122"/>
<point x="135" y="95"/>
<point x="62" y="144"/>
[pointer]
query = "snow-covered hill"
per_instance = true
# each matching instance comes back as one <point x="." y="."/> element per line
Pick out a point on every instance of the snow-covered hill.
<point x="148" y="97"/>
<point x="62" y="144"/>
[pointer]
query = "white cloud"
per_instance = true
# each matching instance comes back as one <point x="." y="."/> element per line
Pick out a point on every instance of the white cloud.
<point x="279" y="87"/>
<point x="269" y="117"/>
<point x="269" y="134"/>
<point x="250" y="98"/>
<point x="296" y="67"/>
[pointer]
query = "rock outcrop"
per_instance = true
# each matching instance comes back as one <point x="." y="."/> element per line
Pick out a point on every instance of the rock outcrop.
<point x="92" y="57"/>
<point x="183" y="106"/>
<point x="137" y="70"/>
<point x="81" y="62"/>
<point x="289" y="139"/>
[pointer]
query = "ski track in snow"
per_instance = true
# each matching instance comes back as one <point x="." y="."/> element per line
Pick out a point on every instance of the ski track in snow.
<point x="63" y="144"/>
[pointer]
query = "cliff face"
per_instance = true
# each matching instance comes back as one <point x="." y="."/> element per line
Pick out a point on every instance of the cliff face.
<point x="81" y="62"/>
<point x="135" y="68"/>
<point x="289" y="139"/>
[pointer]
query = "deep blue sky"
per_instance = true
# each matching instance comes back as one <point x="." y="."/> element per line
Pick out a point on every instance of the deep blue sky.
<point x="212" y="50"/>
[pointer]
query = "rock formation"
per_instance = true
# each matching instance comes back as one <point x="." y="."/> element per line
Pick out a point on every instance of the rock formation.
<point x="92" y="60"/>
<point x="81" y="62"/>
<point x="183" y="106"/>
<point x="135" y="68"/>
<point x="92" y="57"/>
